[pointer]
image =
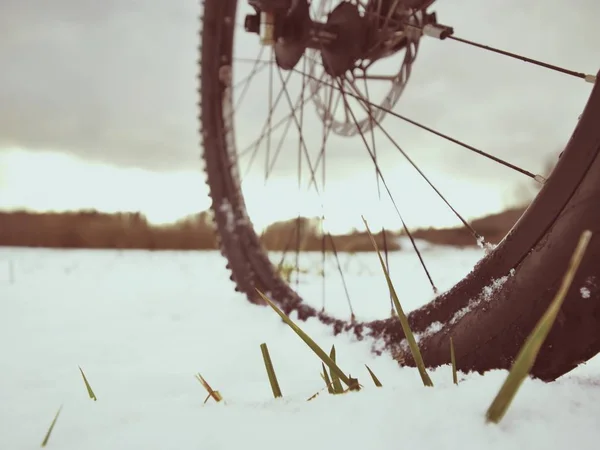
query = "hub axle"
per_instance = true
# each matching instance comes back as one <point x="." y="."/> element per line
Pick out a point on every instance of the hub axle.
<point x="347" y="36"/>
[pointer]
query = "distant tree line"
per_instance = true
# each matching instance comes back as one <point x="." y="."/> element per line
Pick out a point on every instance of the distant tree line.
<point x="96" y="230"/>
<point x="93" y="229"/>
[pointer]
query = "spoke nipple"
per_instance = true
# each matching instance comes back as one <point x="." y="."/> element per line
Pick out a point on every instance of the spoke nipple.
<point x="437" y="31"/>
<point x="540" y="179"/>
<point x="590" y="78"/>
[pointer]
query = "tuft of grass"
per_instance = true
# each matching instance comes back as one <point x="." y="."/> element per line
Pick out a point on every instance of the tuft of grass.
<point x="87" y="386"/>
<point x="375" y="379"/>
<point x="216" y="395"/>
<point x="352" y="383"/>
<point x="453" y="361"/>
<point x="530" y="349"/>
<point x="49" y="432"/>
<point x="270" y="371"/>
<point x="335" y="380"/>
<point x="327" y="380"/>
<point x="410" y="338"/>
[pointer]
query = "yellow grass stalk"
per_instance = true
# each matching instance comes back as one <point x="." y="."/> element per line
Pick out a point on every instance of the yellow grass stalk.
<point x="453" y="361"/>
<point x="335" y="380"/>
<point x="87" y="386"/>
<point x="410" y="338"/>
<point x="375" y="379"/>
<point x="530" y="349"/>
<point x="327" y="380"/>
<point x="270" y="371"/>
<point x="49" y="432"/>
<point x="211" y="393"/>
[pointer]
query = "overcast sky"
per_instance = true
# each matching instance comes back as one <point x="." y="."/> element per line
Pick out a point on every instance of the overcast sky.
<point x="110" y="80"/>
<point x="115" y="82"/>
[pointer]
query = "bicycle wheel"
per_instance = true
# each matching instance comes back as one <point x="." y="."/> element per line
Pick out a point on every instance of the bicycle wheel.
<point x="329" y="48"/>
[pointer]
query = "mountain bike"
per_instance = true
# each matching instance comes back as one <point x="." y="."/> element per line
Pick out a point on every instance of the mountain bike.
<point x="342" y="68"/>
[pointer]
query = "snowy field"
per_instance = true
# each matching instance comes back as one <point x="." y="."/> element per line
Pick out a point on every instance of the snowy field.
<point x="142" y="324"/>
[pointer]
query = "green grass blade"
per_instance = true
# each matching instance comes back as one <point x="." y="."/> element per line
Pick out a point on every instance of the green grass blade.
<point x="410" y="338"/>
<point x="49" y="432"/>
<point x="453" y="361"/>
<point x="530" y="349"/>
<point x="270" y="371"/>
<point x="335" y="380"/>
<point x="375" y="379"/>
<point x="352" y="383"/>
<point x="87" y="386"/>
<point x="325" y="377"/>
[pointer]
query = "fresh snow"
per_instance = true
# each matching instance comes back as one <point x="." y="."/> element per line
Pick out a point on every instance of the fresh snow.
<point x="141" y="324"/>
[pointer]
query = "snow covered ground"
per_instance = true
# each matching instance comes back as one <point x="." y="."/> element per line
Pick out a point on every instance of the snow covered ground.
<point x="141" y="324"/>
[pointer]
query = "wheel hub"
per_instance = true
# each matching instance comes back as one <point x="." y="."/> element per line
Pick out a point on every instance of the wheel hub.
<point x="349" y="39"/>
<point x="348" y="35"/>
<point x="351" y="31"/>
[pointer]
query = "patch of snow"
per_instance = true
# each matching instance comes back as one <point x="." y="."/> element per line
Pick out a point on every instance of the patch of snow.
<point x="141" y="324"/>
<point x="486" y="295"/>
<point x="226" y="209"/>
<point x="485" y="246"/>
<point x="435" y="327"/>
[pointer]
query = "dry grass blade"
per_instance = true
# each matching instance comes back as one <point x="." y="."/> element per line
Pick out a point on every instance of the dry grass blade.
<point x="270" y="371"/>
<point x="352" y="383"/>
<point x="211" y="393"/>
<point x="335" y="380"/>
<point x="530" y="349"/>
<point x="453" y="361"/>
<point x="87" y="386"/>
<point x="49" y="432"/>
<point x="375" y="379"/>
<point x="312" y="397"/>
<point x="326" y="379"/>
<point x="410" y="338"/>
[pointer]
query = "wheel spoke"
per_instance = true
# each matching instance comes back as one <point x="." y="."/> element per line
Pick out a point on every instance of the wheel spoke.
<point x="289" y="117"/>
<point x="304" y="150"/>
<point x="371" y="121"/>
<point x="301" y="140"/>
<point x="477" y="236"/>
<point x="270" y="118"/>
<point x="539" y="178"/>
<point x="328" y="125"/>
<point x="407" y="231"/>
<point x="247" y="80"/>
<point x="586" y="77"/>
<point x="342" y="277"/>
<point x="373" y="143"/>
<point x="266" y="127"/>
<point x="300" y="130"/>
<point x="327" y="131"/>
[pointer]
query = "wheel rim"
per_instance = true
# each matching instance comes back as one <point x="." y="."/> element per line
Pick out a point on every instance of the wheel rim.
<point x="255" y="270"/>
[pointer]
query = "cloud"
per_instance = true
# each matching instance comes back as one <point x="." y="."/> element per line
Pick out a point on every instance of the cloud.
<point x="112" y="81"/>
<point x="115" y="82"/>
